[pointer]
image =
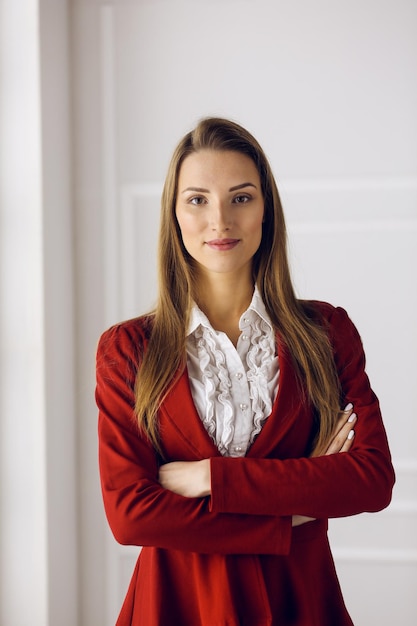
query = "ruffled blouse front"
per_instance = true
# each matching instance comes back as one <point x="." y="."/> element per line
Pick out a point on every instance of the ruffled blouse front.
<point x="233" y="388"/>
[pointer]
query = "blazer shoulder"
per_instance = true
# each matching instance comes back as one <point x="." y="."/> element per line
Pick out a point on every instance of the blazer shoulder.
<point x="128" y="337"/>
<point x="318" y="310"/>
<point x="335" y="320"/>
<point x="327" y="315"/>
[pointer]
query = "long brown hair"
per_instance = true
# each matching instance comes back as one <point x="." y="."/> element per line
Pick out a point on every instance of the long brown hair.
<point x="303" y="336"/>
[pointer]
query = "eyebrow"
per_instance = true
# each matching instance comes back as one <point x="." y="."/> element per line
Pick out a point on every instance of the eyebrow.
<point x="242" y="186"/>
<point x="235" y="188"/>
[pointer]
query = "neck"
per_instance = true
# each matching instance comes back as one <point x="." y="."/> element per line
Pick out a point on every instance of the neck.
<point x="224" y="299"/>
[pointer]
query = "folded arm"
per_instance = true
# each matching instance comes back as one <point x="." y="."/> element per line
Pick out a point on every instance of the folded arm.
<point x="193" y="478"/>
<point x="332" y="485"/>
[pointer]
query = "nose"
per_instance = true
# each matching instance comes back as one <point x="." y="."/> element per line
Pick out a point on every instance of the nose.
<point x="221" y="216"/>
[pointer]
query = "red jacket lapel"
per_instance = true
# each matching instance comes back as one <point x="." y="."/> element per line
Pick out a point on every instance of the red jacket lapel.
<point x="286" y="432"/>
<point x="183" y="435"/>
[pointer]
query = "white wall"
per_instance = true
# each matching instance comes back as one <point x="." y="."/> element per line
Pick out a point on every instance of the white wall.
<point x="329" y="90"/>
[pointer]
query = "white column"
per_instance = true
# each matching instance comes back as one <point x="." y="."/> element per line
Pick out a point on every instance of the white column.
<point x="37" y="461"/>
<point x="57" y="222"/>
<point x="23" y="530"/>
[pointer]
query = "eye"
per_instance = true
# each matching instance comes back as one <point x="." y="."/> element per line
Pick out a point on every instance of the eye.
<point x="241" y="198"/>
<point x="197" y="200"/>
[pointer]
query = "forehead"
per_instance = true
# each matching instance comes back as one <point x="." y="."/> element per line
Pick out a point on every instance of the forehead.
<point x="207" y="168"/>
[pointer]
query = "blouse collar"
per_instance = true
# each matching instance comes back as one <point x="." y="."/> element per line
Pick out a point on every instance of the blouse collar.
<point x="255" y="309"/>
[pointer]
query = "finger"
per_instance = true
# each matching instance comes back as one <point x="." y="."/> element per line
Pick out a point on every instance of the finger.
<point x="344" y="416"/>
<point x="348" y="442"/>
<point x="341" y="431"/>
<point x="340" y="438"/>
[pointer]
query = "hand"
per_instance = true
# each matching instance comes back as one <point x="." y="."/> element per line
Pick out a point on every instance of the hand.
<point x="187" y="478"/>
<point x="341" y="442"/>
<point x="343" y="433"/>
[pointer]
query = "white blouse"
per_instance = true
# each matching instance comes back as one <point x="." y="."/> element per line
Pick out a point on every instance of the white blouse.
<point x="233" y="388"/>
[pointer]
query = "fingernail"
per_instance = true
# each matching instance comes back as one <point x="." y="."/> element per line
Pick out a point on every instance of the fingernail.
<point x="348" y="407"/>
<point x="351" y="434"/>
<point x="352" y="417"/>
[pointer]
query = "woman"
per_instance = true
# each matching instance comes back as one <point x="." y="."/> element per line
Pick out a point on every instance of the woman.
<point x="223" y="449"/>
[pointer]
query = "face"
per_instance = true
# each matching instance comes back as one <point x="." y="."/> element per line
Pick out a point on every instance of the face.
<point x="220" y="210"/>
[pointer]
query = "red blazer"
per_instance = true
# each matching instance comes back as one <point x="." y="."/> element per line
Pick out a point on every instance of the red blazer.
<point x="233" y="558"/>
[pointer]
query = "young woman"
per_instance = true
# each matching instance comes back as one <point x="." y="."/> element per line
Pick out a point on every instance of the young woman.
<point x="223" y="446"/>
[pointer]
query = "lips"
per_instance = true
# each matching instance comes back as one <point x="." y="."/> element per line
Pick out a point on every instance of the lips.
<point x="222" y="244"/>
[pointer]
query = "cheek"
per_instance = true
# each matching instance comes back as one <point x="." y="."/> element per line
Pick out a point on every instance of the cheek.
<point x="256" y="226"/>
<point x="186" y="228"/>
<point x="182" y="222"/>
<point x="189" y="224"/>
<point x="189" y="230"/>
<point x="255" y="233"/>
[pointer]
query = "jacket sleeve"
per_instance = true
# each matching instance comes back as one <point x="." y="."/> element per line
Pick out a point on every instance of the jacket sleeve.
<point x="141" y="512"/>
<point x="338" y="485"/>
